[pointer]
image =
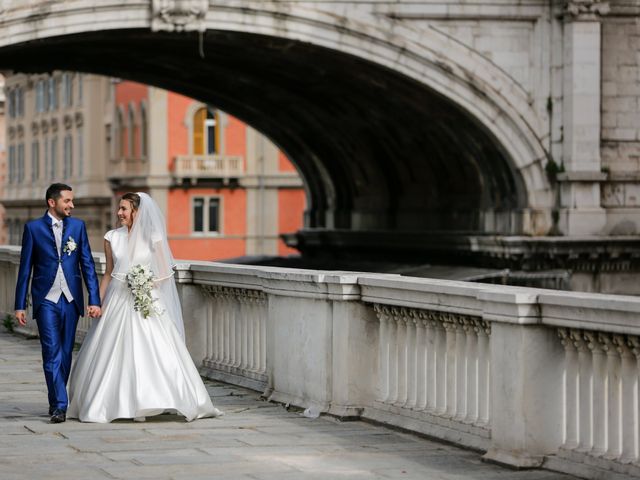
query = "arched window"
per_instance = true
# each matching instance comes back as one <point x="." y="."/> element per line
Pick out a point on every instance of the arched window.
<point x="143" y="130"/>
<point x="205" y="131"/>
<point x="119" y="132"/>
<point x="131" y="123"/>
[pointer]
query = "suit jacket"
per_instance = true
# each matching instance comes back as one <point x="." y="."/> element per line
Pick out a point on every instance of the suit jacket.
<point x="39" y="253"/>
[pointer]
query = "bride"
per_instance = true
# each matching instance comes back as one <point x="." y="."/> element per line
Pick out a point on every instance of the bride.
<point x="133" y="362"/>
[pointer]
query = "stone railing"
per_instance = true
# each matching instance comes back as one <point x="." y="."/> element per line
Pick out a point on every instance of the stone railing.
<point x="128" y="167"/>
<point x="208" y="166"/>
<point x="532" y="377"/>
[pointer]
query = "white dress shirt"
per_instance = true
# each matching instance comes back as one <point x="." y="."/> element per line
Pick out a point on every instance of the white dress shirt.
<point x="60" y="283"/>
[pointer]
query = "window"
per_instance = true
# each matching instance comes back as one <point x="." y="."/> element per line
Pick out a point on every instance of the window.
<point x="67" y="169"/>
<point x="12" y="163"/>
<point x="20" y="102"/>
<point x="40" y="96"/>
<point x="35" y="161"/>
<point x="80" y="144"/>
<point x="131" y="122"/>
<point x="80" y="88"/>
<point x="67" y="89"/>
<point x="47" y="163"/>
<point x="53" y="93"/>
<point x="11" y="94"/>
<point x="206" y="215"/>
<point x="53" y="158"/>
<point x="119" y="135"/>
<point x="21" y="163"/>
<point x="205" y="135"/>
<point x="143" y="130"/>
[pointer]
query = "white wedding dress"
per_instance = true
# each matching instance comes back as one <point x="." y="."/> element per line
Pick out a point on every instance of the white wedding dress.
<point x="130" y="366"/>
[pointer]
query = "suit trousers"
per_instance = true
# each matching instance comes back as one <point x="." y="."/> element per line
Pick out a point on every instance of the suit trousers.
<point x="57" y="324"/>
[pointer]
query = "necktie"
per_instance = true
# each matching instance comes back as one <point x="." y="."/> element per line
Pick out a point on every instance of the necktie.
<point x="57" y="233"/>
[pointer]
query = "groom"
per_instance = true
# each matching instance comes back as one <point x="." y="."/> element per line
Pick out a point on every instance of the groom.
<point x="56" y="248"/>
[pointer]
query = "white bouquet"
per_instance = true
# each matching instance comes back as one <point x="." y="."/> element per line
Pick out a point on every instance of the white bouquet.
<point x="140" y="281"/>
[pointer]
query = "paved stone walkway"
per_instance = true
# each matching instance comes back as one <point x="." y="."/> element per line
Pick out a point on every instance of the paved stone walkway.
<point x="254" y="440"/>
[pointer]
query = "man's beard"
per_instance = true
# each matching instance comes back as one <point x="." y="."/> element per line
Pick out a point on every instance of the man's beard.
<point x="62" y="213"/>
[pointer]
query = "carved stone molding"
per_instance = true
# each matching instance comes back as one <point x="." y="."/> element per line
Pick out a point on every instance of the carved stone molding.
<point x="68" y="122"/>
<point x="178" y="15"/>
<point x="585" y="10"/>
<point x="54" y="125"/>
<point x="44" y="126"/>
<point x="35" y="128"/>
<point x="79" y="119"/>
<point x="11" y="132"/>
<point x="20" y="131"/>
<point x="231" y="293"/>
<point x="431" y="318"/>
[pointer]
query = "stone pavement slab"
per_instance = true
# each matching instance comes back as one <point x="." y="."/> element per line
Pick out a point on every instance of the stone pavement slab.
<point x="255" y="440"/>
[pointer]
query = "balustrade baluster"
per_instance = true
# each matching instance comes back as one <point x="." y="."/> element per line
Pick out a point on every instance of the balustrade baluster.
<point x="634" y="421"/>
<point x="585" y="391"/>
<point x="441" y="368"/>
<point x="629" y="410"/>
<point x="263" y="332"/>
<point x="244" y="332"/>
<point x="471" y="329"/>
<point x="600" y="407"/>
<point x="393" y="359"/>
<point x="614" y="396"/>
<point x="383" y="358"/>
<point x="431" y="362"/>
<point x="209" y="326"/>
<point x="570" y="405"/>
<point x="226" y="332"/>
<point x="421" y="360"/>
<point x="412" y="359"/>
<point x="460" y="411"/>
<point x="251" y="313"/>
<point x="450" y="367"/>
<point x="484" y="372"/>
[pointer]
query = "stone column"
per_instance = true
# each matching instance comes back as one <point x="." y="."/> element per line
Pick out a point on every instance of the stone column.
<point x="580" y="209"/>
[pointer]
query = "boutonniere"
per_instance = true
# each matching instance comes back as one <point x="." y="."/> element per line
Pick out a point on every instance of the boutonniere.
<point x="70" y="246"/>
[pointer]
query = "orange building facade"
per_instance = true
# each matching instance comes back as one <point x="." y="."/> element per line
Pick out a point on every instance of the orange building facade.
<point x="226" y="190"/>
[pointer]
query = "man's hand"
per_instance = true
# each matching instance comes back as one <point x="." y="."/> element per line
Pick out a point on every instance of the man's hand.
<point x="21" y="316"/>
<point x="94" y="311"/>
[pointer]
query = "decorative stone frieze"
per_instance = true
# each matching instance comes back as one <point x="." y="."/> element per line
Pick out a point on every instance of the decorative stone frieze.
<point x="178" y="15"/>
<point x="54" y="125"/>
<point x="35" y="128"/>
<point x="585" y="10"/>
<point x="68" y="122"/>
<point x="79" y="119"/>
<point x="20" y="131"/>
<point x="11" y="132"/>
<point x="44" y="126"/>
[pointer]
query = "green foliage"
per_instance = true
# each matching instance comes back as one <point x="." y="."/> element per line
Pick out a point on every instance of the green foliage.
<point x="8" y="322"/>
<point x="553" y="169"/>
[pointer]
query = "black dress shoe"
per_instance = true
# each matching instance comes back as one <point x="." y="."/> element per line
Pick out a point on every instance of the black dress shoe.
<point x="58" y="416"/>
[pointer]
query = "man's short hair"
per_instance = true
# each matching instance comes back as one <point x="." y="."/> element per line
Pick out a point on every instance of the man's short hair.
<point x="55" y="190"/>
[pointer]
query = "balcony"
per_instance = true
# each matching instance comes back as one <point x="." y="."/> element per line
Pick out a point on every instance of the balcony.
<point x="191" y="169"/>
<point x="125" y="167"/>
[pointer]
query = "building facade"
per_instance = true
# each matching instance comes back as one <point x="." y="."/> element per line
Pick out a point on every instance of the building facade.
<point x="55" y="133"/>
<point x="226" y="189"/>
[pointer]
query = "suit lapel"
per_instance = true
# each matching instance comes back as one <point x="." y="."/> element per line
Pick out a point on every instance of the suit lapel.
<point x="49" y="227"/>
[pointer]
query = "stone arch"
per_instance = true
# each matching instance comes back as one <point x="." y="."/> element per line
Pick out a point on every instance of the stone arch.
<point x="457" y="118"/>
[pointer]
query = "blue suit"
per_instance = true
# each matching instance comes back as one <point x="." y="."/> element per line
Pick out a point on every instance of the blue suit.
<point x="56" y="322"/>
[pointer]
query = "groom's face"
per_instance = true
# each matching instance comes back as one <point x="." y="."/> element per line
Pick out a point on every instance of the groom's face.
<point x="63" y="206"/>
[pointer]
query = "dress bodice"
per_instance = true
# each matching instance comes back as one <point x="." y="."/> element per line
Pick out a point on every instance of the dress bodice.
<point x="119" y="240"/>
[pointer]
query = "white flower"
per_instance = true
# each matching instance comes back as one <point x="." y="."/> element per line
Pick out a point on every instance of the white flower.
<point x="70" y="246"/>
<point x="140" y="281"/>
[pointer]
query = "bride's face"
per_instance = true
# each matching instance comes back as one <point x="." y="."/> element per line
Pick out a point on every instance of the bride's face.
<point x="126" y="214"/>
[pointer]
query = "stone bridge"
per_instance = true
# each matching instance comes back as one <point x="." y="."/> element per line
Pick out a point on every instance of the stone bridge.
<point x="415" y="125"/>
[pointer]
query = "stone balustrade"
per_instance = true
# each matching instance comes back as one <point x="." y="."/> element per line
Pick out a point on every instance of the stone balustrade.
<point x="209" y="166"/>
<point x="532" y="377"/>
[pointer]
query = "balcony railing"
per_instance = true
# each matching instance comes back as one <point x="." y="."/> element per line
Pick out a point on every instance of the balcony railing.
<point x="128" y="167"/>
<point x="533" y="377"/>
<point x="208" y="166"/>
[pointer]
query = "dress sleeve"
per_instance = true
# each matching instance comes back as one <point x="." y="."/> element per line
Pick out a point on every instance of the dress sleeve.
<point x="109" y="235"/>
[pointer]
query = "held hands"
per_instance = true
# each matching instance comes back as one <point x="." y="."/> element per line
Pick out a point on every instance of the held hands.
<point x="94" y="311"/>
<point x="21" y="316"/>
